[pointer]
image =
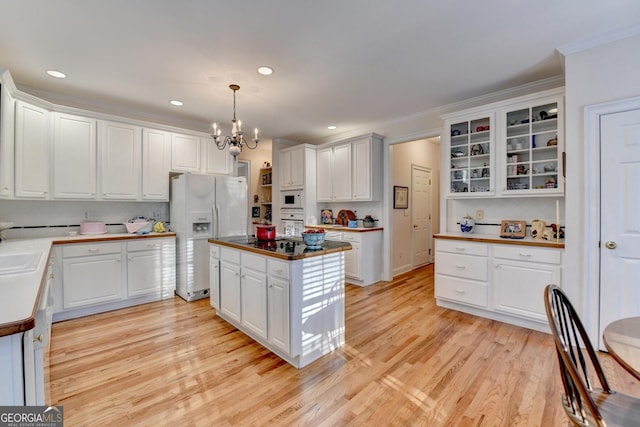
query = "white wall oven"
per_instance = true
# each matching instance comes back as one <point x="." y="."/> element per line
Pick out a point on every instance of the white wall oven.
<point x="291" y="223"/>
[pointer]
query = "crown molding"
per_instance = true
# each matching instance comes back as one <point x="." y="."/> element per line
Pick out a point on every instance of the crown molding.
<point x="571" y="48"/>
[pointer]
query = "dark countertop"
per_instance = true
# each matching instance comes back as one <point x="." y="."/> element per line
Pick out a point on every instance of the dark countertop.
<point x="283" y="248"/>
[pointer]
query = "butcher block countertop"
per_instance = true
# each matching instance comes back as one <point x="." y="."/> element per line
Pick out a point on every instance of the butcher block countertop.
<point x="22" y="291"/>
<point x="492" y="238"/>
<point x="333" y="227"/>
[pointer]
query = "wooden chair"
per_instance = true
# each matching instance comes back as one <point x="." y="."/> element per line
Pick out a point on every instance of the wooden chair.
<point x="584" y="404"/>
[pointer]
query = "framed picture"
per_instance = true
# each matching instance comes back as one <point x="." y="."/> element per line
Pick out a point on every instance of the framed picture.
<point x="400" y="197"/>
<point x="255" y="212"/>
<point x="513" y="229"/>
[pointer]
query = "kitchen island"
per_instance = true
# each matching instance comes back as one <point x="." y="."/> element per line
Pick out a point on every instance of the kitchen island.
<point x="286" y="296"/>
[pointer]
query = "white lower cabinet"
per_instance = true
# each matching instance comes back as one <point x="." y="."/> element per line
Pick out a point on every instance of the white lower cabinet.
<point x="102" y="276"/>
<point x="520" y="277"/>
<point x="146" y="273"/>
<point x="92" y="274"/>
<point x="363" y="262"/>
<point x="461" y="272"/>
<point x="230" y="283"/>
<point x="214" y="276"/>
<point x="253" y="293"/>
<point x="278" y="321"/>
<point x="510" y="291"/>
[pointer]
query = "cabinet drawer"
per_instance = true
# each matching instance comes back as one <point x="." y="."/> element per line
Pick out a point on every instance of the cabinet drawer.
<point x="144" y="244"/>
<point x="87" y="249"/>
<point x="254" y="262"/>
<point x="230" y="255"/>
<point x="468" y="267"/>
<point x="527" y="253"/>
<point x="278" y="269"/>
<point x="351" y="237"/>
<point x="462" y="247"/>
<point x="214" y="251"/>
<point x="466" y="291"/>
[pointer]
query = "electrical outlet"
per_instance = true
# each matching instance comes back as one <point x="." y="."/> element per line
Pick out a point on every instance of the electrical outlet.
<point x="479" y="214"/>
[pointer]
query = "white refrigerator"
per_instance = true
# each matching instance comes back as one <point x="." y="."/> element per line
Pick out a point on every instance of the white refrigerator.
<point x="202" y="207"/>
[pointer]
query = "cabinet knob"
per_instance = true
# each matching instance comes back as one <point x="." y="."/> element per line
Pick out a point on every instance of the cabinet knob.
<point x="38" y="338"/>
<point x="611" y="244"/>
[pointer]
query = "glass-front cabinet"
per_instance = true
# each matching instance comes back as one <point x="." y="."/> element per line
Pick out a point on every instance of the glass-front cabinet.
<point x="470" y="151"/>
<point x="532" y="153"/>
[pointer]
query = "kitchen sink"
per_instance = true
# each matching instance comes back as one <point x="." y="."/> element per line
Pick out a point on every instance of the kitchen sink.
<point x="19" y="263"/>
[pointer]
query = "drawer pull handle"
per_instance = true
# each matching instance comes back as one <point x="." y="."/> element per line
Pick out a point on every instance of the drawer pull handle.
<point x="461" y="267"/>
<point x="460" y="248"/>
<point x="278" y="270"/>
<point x="93" y="251"/>
<point x="461" y="291"/>
<point x="524" y="255"/>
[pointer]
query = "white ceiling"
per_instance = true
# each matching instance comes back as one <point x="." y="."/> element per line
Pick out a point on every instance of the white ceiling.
<point x="352" y="63"/>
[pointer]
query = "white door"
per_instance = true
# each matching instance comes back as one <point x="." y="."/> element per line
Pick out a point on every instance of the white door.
<point x="422" y="234"/>
<point x="620" y="225"/>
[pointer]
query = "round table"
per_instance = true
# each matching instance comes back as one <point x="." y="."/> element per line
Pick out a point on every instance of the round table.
<point x="622" y="340"/>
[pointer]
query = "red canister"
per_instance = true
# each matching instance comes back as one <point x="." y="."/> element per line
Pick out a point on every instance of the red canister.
<point x="266" y="232"/>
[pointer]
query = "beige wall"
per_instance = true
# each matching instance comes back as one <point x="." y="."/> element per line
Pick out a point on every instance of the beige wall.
<point x="257" y="158"/>
<point x="593" y="76"/>
<point x="424" y="153"/>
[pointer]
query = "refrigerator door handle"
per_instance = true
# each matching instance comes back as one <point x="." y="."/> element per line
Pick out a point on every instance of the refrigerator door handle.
<point x="216" y="221"/>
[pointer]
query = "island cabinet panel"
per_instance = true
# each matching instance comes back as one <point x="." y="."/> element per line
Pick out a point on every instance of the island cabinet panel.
<point x="230" y="290"/>
<point x="295" y="307"/>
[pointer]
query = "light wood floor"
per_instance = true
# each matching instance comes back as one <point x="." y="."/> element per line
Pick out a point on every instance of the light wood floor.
<point x="406" y="362"/>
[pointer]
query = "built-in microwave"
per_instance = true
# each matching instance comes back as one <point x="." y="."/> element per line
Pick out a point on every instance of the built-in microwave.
<point x="292" y="199"/>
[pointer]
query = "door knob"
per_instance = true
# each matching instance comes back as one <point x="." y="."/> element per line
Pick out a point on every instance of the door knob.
<point x="610" y="244"/>
<point x="415" y="225"/>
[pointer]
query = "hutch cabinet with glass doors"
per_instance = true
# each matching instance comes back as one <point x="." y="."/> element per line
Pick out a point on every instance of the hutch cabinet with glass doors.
<point x="471" y="155"/>
<point x="509" y="148"/>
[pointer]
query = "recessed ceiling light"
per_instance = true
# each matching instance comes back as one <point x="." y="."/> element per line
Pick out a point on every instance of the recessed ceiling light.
<point x="176" y="103"/>
<point x="332" y="127"/>
<point x="265" y="70"/>
<point x="57" y="74"/>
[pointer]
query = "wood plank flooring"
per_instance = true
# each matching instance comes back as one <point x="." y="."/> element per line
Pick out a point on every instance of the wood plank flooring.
<point x="406" y="362"/>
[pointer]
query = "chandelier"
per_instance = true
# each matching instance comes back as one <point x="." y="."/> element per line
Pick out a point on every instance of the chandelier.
<point x="236" y="140"/>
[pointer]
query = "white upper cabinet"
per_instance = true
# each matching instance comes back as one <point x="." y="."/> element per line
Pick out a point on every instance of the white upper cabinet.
<point x="121" y="149"/>
<point x="508" y="148"/>
<point x="74" y="157"/>
<point x="185" y="153"/>
<point x="324" y="183"/>
<point x="531" y="156"/>
<point x="156" y="161"/>
<point x="291" y="166"/>
<point x="350" y="170"/>
<point x="7" y="143"/>
<point x="334" y="173"/>
<point x="32" y="151"/>
<point x="216" y="161"/>
<point x="469" y="145"/>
